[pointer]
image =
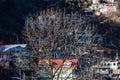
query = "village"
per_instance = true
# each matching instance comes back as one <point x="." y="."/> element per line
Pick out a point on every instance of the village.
<point x="73" y="51"/>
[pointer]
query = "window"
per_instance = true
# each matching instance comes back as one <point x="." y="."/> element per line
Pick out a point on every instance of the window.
<point x="108" y="64"/>
<point x="104" y="64"/>
<point x="114" y="64"/>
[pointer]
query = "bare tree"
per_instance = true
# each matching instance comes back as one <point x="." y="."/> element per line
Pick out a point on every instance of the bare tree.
<point x="54" y="31"/>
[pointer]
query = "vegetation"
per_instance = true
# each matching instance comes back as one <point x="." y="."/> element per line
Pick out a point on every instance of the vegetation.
<point x="112" y="27"/>
<point x="54" y="33"/>
<point x="13" y="23"/>
<point x="56" y="30"/>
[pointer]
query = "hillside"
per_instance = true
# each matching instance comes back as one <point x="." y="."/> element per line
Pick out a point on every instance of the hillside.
<point x="12" y="16"/>
<point x="13" y="13"/>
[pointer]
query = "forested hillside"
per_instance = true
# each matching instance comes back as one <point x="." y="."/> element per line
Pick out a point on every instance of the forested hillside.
<point x="14" y="12"/>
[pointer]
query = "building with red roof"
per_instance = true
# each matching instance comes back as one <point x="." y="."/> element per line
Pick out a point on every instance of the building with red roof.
<point x="63" y="68"/>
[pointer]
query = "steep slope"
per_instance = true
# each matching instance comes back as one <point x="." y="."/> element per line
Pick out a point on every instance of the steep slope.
<point x="12" y="15"/>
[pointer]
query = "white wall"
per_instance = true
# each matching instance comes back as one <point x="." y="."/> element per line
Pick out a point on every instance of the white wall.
<point x="112" y="65"/>
<point x="111" y="1"/>
<point x="108" y="9"/>
<point x="63" y="74"/>
<point x="95" y="1"/>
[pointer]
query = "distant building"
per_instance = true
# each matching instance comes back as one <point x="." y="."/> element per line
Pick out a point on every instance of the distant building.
<point x="108" y="1"/>
<point x="107" y="67"/>
<point x="95" y="1"/>
<point x="110" y="64"/>
<point x="7" y="51"/>
<point x="13" y="47"/>
<point x="64" y="68"/>
<point x="104" y="8"/>
<point x="107" y="8"/>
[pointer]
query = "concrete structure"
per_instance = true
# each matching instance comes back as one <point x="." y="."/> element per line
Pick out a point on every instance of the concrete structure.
<point x="109" y="1"/>
<point x="7" y="51"/>
<point x="108" y="8"/>
<point x="95" y="1"/>
<point x="65" y="69"/>
<point x="110" y="64"/>
<point x="104" y="8"/>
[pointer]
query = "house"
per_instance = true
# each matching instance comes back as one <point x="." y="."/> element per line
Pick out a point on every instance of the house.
<point x="110" y="64"/>
<point x="108" y="1"/>
<point x="104" y="8"/>
<point x="108" y="8"/>
<point x="65" y="69"/>
<point x="96" y="6"/>
<point x="95" y="1"/>
<point x="7" y="51"/>
<point x="12" y="49"/>
<point x="7" y="48"/>
<point x="107" y="67"/>
<point x="103" y="1"/>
